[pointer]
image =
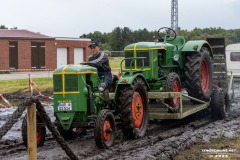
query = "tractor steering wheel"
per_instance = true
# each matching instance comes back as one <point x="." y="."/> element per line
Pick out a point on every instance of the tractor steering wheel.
<point x="166" y="34"/>
<point x="92" y="64"/>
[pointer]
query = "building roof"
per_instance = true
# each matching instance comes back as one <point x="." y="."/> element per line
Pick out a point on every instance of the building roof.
<point x="72" y="39"/>
<point x="21" y="34"/>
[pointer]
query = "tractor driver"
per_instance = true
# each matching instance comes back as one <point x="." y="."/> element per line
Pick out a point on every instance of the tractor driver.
<point x="101" y="59"/>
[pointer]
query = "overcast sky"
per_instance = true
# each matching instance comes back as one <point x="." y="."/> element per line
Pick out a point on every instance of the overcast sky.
<point x="72" y="18"/>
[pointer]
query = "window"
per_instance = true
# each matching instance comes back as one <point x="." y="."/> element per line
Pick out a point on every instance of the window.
<point x="13" y="55"/>
<point x="235" y="56"/>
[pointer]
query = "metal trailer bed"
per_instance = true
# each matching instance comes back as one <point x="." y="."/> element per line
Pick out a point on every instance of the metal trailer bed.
<point x="158" y="111"/>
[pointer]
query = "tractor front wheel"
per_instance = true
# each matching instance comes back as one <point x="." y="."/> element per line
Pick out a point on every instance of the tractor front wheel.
<point x="133" y="109"/>
<point x="41" y="131"/>
<point x="104" y="132"/>
<point x="173" y="85"/>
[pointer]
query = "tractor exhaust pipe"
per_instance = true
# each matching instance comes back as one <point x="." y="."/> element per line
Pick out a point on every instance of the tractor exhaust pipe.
<point x="90" y="107"/>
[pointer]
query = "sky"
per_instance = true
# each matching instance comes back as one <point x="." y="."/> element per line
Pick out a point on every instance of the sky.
<point x="72" y="18"/>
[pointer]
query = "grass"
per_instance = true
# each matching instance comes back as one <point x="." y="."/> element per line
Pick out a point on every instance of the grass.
<point x="221" y="144"/>
<point x="44" y="84"/>
<point x="22" y="85"/>
<point x="115" y="63"/>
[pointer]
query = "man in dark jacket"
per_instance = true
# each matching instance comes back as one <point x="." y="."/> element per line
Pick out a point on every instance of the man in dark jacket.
<point x="101" y="59"/>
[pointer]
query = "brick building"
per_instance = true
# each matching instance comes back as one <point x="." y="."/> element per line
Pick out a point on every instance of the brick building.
<point x="24" y="50"/>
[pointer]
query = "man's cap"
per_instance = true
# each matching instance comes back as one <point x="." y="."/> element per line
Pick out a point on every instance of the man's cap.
<point x="93" y="44"/>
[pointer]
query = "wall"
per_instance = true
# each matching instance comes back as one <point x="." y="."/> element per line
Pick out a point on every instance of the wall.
<point x="70" y="45"/>
<point x="24" y="52"/>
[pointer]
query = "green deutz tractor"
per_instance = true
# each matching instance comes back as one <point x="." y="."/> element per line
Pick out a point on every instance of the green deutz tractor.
<point x="148" y="69"/>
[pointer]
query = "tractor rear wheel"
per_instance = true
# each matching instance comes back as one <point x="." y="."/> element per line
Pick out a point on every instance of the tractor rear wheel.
<point x="104" y="132"/>
<point x="133" y="109"/>
<point x="198" y="72"/>
<point x="218" y="104"/>
<point x="173" y="85"/>
<point x="41" y="131"/>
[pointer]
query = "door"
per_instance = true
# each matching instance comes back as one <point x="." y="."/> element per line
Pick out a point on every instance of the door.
<point x="13" y="55"/>
<point x="61" y="57"/>
<point x="38" y="55"/>
<point x="78" y="55"/>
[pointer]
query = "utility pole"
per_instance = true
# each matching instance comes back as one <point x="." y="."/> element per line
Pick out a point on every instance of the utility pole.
<point x="174" y="15"/>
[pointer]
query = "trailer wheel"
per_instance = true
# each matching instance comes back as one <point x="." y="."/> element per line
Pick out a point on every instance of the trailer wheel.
<point x="173" y="85"/>
<point x="41" y="131"/>
<point x="198" y="74"/>
<point x="104" y="132"/>
<point x="218" y="104"/>
<point x="133" y="108"/>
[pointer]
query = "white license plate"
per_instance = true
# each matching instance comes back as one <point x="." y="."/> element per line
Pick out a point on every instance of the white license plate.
<point x="65" y="106"/>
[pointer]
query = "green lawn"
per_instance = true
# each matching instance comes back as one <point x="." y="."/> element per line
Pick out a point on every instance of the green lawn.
<point x="44" y="84"/>
<point x="22" y="85"/>
<point x="115" y="63"/>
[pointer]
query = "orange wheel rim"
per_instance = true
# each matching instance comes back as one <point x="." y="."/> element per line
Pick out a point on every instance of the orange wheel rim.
<point x="205" y="76"/>
<point x="176" y="88"/>
<point x="106" y="134"/>
<point x="39" y="135"/>
<point x="137" y="109"/>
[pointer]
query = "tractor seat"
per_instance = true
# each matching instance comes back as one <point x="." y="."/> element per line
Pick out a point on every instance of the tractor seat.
<point x="178" y="43"/>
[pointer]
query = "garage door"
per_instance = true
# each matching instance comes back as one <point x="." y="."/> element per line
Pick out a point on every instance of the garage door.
<point x="61" y="57"/>
<point x="78" y="55"/>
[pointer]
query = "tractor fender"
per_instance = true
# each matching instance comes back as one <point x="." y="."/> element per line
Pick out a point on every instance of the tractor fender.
<point x="195" y="46"/>
<point x="128" y="80"/>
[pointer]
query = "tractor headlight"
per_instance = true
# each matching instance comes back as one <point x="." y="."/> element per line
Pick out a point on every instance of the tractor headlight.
<point x="176" y="57"/>
<point x="102" y="87"/>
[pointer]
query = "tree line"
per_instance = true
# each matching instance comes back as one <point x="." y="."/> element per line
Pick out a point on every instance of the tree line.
<point x="120" y="37"/>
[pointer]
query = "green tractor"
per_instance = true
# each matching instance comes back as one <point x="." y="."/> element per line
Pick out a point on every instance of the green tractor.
<point x="152" y="72"/>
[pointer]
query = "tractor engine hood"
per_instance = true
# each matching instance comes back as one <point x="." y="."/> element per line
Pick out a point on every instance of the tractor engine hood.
<point x="147" y="46"/>
<point x="83" y="69"/>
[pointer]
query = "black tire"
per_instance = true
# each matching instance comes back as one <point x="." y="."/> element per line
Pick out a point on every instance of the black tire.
<point x="198" y="83"/>
<point x="218" y="104"/>
<point x="105" y="129"/>
<point x="134" y="116"/>
<point x="173" y="84"/>
<point x="227" y="103"/>
<point x="41" y="131"/>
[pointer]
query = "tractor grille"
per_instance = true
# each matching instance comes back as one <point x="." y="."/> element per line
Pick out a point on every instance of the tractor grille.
<point x="57" y="83"/>
<point x="71" y="83"/>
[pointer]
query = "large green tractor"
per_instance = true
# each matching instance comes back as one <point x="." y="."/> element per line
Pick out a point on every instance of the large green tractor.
<point x="148" y="69"/>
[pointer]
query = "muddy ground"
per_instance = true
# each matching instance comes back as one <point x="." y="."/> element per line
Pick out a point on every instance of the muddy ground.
<point x="164" y="139"/>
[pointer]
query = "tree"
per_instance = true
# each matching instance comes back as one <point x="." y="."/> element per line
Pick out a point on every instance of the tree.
<point x="3" y="27"/>
<point x="116" y="39"/>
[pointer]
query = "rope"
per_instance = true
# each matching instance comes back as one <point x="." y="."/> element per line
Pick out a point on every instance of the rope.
<point x="13" y="118"/>
<point x="52" y="128"/>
